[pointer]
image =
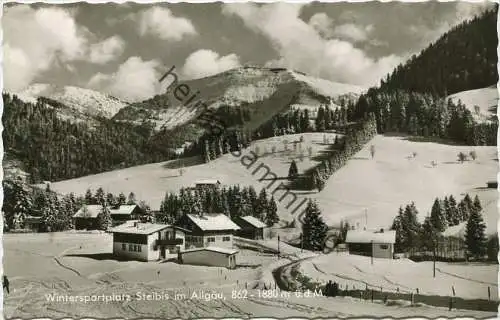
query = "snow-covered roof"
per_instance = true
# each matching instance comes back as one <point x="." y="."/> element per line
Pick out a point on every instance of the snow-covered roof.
<point x="254" y="221"/>
<point x="88" y="211"/>
<point x="124" y="209"/>
<point x="361" y="236"/>
<point x="214" y="249"/>
<point x="134" y="227"/>
<point x="457" y="231"/>
<point x="208" y="181"/>
<point x="213" y="222"/>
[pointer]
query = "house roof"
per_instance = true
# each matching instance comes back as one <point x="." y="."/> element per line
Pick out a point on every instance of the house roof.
<point x="213" y="249"/>
<point x="88" y="211"/>
<point x="123" y="209"/>
<point x="361" y="236"/>
<point x="254" y="221"/>
<point x="141" y="228"/>
<point x="208" y="181"/>
<point x="213" y="222"/>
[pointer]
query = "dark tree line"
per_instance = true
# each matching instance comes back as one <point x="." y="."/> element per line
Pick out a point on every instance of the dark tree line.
<point x="357" y="135"/>
<point x="413" y="235"/>
<point x="425" y="115"/>
<point x="233" y="201"/>
<point x="464" y="58"/>
<point x="54" y="149"/>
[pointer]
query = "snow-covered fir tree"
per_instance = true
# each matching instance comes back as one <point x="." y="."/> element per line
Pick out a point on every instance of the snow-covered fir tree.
<point x="314" y="229"/>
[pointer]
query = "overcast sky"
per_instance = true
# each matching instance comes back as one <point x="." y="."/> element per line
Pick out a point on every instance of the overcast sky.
<point x="122" y="49"/>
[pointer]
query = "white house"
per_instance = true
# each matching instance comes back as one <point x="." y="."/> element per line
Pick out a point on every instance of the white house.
<point x="367" y="243"/>
<point x="147" y="241"/>
<point x="214" y="230"/>
<point x="210" y="256"/>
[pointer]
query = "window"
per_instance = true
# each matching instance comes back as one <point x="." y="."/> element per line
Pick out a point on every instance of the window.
<point x="138" y="247"/>
<point x="226" y="238"/>
<point x="124" y="246"/>
<point x="211" y="239"/>
<point x="130" y="247"/>
<point x="384" y="246"/>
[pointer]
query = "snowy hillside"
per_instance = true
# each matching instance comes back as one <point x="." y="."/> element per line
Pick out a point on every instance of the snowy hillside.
<point x="481" y="102"/>
<point x="80" y="100"/>
<point x="251" y="86"/>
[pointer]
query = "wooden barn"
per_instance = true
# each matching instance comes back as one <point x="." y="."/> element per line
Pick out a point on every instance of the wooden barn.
<point x="207" y="184"/>
<point x="125" y="213"/>
<point x="372" y="244"/>
<point x="492" y="184"/>
<point x="209" y="256"/>
<point x="147" y="241"/>
<point x="86" y="217"/>
<point x="215" y="230"/>
<point x="250" y="227"/>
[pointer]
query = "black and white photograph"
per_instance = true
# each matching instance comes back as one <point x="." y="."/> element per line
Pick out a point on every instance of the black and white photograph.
<point x="250" y="160"/>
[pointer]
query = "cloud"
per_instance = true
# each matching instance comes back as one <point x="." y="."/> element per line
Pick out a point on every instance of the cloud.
<point x="203" y="63"/>
<point x="162" y="23"/>
<point x="32" y="46"/>
<point x="107" y="50"/>
<point x="322" y="23"/>
<point x="353" y="32"/>
<point x="135" y="80"/>
<point x="302" y="47"/>
<point x="463" y="11"/>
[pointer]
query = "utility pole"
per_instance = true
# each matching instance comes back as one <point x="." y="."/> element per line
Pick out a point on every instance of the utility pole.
<point x="434" y="262"/>
<point x="278" y="246"/>
<point x="372" y="252"/>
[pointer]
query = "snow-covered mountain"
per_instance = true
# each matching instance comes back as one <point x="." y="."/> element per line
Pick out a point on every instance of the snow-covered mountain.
<point x="79" y="100"/>
<point x="254" y="87"/>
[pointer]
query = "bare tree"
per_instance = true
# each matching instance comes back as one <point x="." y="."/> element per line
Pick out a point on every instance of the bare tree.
<point x="462" y="157"/>
<point x="372" y="151"/>
<point x="473" y="155"/>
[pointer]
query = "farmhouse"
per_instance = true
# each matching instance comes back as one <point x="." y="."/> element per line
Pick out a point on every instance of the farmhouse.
<point x="86" y="217"/>
<point x="366" y="243"/>
<point x="250" y="227"/>
<point x="207" y="184"/>
<point x="215" y="230"/>
<point x="147" y="241"/>
<point x="32" y="223"/>
<point x="124" y="213"/>
<point x="210" y="256"/>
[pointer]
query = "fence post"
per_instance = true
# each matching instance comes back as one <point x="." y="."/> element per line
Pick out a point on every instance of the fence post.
<point x="372" y="295"/>
<point x="489" y="293"/>
<point x="417" y="291"/>
<point x="450" y="304"/>
<point x="246" y="285"/>
<point x="453" y="290"/>
<point x="412" y="299"/>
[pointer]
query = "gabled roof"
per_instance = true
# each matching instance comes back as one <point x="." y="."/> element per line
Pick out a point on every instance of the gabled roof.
<point x="213" y="249"/>
<point x="209" y="222"/>
<point x="88" y="211"/>
<point x="361" y="236"/>
<point x="254" y="221"/>
<point x="208" y="181"/>
<point x="139" y="228"/>
<point x="123" y="209"/>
